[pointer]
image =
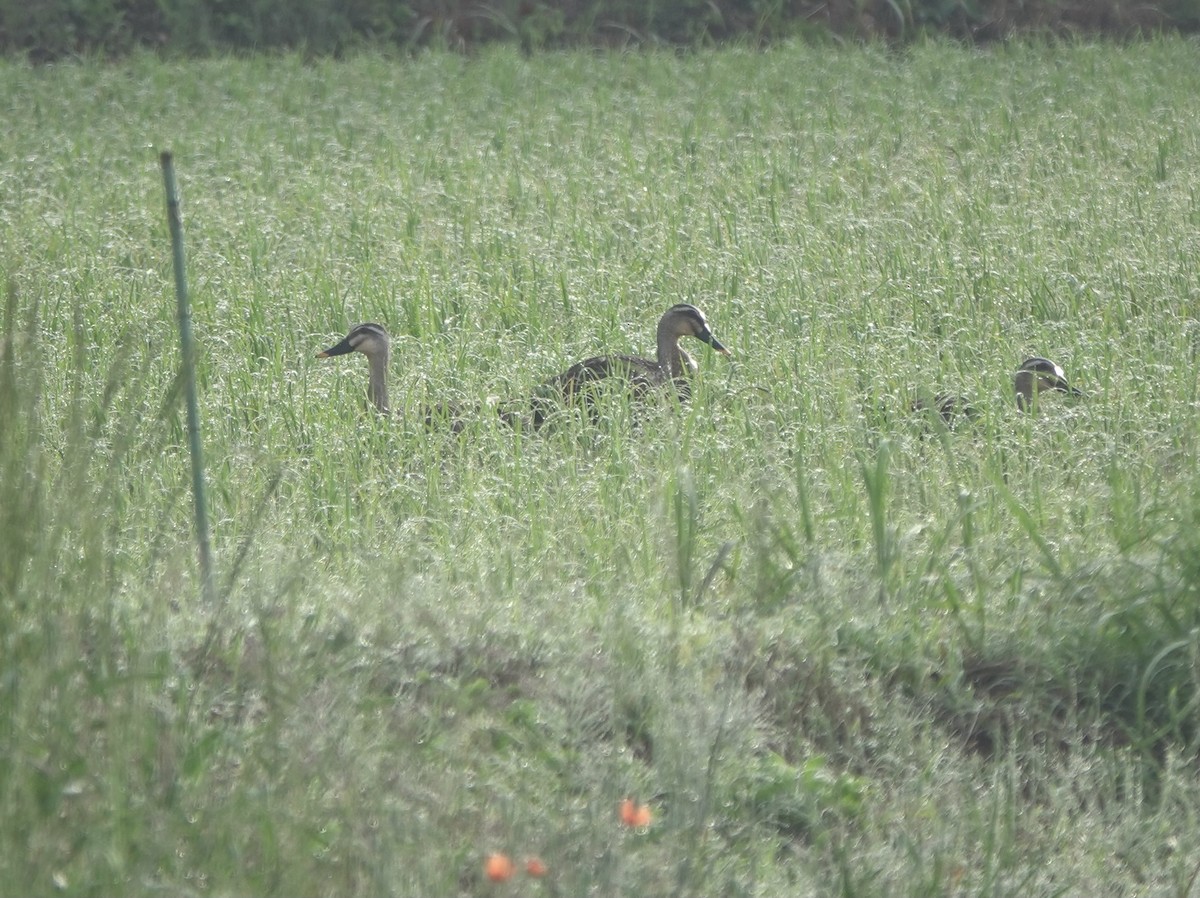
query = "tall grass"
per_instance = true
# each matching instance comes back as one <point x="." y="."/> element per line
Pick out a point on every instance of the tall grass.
<point x="832" y="646"/>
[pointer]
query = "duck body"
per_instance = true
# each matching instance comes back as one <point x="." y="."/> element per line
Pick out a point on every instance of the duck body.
<point x="950" y="407"/>
<point x="641" y="377"/>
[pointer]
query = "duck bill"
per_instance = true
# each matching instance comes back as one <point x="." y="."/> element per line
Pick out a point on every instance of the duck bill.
<point x="1060" y="385"/>
<point x="340" y="349"/>
<point x="716" y="344"/>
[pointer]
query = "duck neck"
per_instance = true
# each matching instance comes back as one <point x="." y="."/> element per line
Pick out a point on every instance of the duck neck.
<point x="670" y="357"/>
<point x="1023" y="383"/>
<point x="379" y="387"/>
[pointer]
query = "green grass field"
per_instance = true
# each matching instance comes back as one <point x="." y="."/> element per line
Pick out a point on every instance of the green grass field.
<point x="834" y="650"/>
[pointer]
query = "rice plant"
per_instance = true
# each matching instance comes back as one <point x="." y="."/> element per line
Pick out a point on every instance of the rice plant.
<point x="826" y="643"/>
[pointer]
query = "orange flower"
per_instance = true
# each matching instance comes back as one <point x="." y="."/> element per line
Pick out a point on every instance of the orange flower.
<point x="635" y="815"/>
<point x="499" y="867"/>
<point x="535" y="867"/>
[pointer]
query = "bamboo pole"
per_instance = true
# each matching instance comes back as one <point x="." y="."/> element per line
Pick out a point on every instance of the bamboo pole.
<point x="187" y="343"/>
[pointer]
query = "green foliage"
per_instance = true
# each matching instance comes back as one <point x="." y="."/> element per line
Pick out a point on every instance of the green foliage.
<point x="431" y="645"/>
<point x="56" y="28"/>
<point x="46" y="31"/>
<point x="319" y="26"/>
<point x="798" y="800"/>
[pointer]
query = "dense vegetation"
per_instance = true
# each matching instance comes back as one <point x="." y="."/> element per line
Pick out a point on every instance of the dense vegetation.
<point x="834" y="647"/>
<point x="57" y="28"/>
